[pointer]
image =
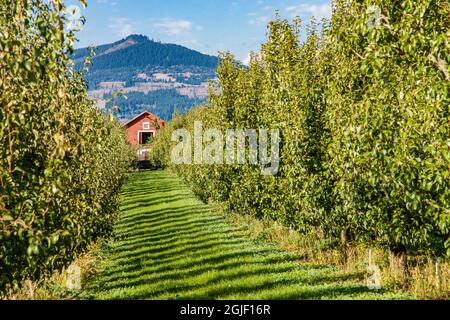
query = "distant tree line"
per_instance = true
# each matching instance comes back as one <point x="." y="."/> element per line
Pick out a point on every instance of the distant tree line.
<point x="162" y="103"/>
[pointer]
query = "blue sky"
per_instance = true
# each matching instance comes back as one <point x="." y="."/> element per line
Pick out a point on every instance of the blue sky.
<point x="208" y="26"/>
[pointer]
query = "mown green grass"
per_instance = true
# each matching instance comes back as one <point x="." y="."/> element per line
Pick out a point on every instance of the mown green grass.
<point x="169" y="245"/>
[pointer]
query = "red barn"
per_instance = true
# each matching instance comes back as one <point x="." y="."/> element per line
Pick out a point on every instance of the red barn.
<point x="142" y="128"/>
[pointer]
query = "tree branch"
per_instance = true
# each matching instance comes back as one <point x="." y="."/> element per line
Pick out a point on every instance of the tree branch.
<point x="441" y="64"/>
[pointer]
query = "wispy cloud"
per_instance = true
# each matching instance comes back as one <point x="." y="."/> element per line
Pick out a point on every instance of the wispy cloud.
<point x="121" y="26"/>
<point x="172" y="27"/>
<point x="261" y="20"/>
<point x="109" y="2"/>
<point x="247" y="59"/>
<point x="318" y="11"/>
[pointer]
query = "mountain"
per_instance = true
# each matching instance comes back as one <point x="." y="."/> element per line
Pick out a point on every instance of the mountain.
<point x="140" y="51"/>
<point x="154" y="76"/>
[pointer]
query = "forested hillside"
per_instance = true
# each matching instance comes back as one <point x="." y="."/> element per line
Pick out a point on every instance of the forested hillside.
<point x="163" y="103"/>
<point x="156" y="77"/>
<point x="140" y="51"/>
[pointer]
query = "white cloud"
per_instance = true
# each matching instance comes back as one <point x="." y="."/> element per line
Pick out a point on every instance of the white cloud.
<point x="259" y="20"/>
<point x="246" y="61"/>
<point x="121" y="26"/>
<point x="110" y="2"/>
<point x="172" y="27"/>
<point x="257" y="56"/>
<point x="318" y="11"/>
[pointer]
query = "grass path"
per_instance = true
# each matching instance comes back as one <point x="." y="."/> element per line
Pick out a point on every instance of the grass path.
<point x="169" y="245"/>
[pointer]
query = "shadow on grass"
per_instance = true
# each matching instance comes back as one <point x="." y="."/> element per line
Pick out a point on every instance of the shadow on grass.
<point x="169" y="245"/>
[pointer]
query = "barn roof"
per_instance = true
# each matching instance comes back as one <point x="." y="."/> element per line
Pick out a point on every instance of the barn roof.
<point x="143" y="114"/>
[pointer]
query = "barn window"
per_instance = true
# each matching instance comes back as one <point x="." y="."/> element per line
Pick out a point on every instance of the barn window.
<point x="146" y="125"/>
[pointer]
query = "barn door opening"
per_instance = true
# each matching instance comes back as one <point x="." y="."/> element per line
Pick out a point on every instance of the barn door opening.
<point x="145" y="137"/>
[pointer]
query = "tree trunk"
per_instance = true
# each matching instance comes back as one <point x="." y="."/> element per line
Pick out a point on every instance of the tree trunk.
<point x="345" y="241"/>
<point x="400" y="260"/>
